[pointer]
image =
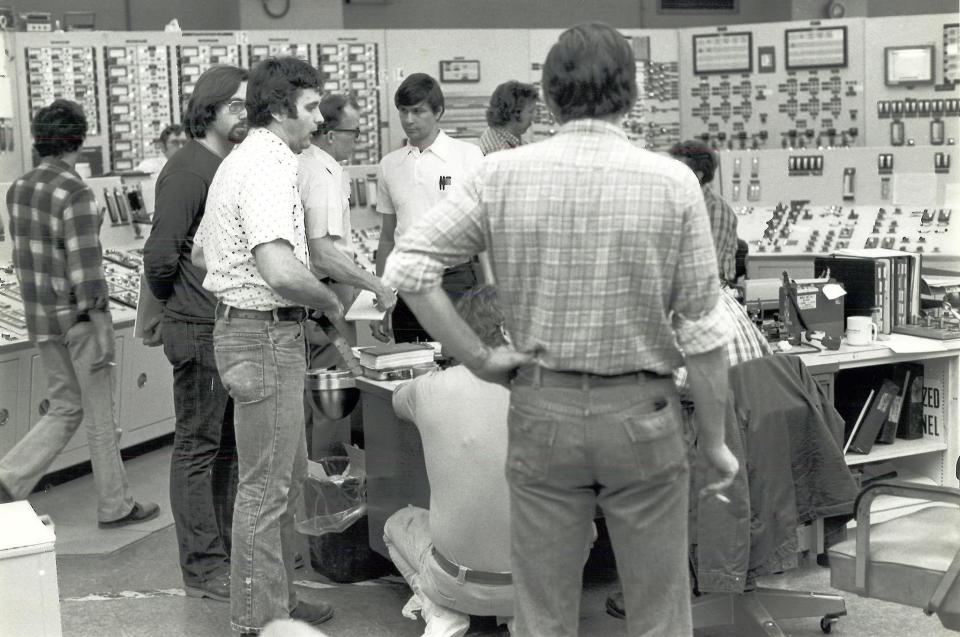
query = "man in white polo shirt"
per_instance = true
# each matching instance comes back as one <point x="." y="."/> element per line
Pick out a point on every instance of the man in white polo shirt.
<point x="413" y="179"/>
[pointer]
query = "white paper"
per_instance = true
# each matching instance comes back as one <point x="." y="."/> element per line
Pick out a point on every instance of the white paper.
<point x="364" y="308"/>
<point x="833" y="291"/>
<point x="915" y="189"/>
<point x="905" y="344"/>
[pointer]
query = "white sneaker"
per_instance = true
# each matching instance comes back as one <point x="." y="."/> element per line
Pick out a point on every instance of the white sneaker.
<point x="442" y="621"/>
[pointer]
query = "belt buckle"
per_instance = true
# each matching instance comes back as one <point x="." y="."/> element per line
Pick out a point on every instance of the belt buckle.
<point x="462" y="574"/>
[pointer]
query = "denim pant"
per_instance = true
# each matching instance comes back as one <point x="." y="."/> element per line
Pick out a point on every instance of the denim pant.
<point x="262" y="364"/>
<point x="76" y="395"/>
<point x="203" y="467"/>
<point x="619" y="446"/>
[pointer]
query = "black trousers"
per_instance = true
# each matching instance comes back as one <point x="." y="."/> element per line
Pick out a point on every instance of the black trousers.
<point x="456" y="281"/>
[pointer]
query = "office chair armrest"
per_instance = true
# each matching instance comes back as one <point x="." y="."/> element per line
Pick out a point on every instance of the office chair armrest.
<point x="897" y="488"/>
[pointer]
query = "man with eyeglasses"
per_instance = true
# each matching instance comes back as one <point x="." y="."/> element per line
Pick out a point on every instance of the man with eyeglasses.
<point x="203" y="467"/>
<point x="325" y="191"/>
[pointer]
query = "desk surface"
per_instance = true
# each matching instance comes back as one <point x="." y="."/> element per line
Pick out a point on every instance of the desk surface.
<point x="895" y="348"/>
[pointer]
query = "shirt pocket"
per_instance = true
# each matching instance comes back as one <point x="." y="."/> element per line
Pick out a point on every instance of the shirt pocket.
<point x="241" y="367"/>
<point x="655" y="434"/>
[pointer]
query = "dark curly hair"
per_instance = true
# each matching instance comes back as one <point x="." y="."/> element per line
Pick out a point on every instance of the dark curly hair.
<point x="59" y="129"/>
<point x="508" y="101"/>
<point x="698" y="156"/>
<point x="419" y="87"/>
<point x="213" y="89"/>
<point x="274" y="86"/>
<point x="479" y="308"/>
<point x="590" y="72"/>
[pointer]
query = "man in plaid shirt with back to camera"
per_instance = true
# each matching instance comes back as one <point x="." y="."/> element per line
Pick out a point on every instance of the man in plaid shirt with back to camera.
<point x="55" y="229"/>
<point x="604" y="263"/>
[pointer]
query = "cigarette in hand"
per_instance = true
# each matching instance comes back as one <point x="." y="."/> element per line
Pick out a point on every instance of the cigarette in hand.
<point x="722" y="498"/>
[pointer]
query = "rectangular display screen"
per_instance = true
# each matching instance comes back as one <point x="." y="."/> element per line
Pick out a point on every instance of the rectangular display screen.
<point x="816" y="48"/>
<point x="723" y="53"/>
<point x="908" y="65"/>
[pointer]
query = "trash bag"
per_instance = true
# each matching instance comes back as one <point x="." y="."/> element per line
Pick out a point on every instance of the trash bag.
<point x="334" y="494"/>
<point x="333" y="513"/>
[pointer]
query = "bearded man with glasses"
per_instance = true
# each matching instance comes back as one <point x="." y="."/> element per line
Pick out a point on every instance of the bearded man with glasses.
<point x="203" y="468"/>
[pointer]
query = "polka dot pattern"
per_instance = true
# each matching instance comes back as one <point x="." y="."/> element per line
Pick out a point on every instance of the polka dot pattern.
<point x="253" y="200"/>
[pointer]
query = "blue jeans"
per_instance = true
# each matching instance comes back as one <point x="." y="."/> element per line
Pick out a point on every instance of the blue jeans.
<point x="619" y="446"/>
<point x="203" y="467"/>
<point x="76" y="395"/>
<point x="262" y="364"/>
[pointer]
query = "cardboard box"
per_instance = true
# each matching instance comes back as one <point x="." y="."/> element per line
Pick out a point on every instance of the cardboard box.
<point x="29" y="594"/>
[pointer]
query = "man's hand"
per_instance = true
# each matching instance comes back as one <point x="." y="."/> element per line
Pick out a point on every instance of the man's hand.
<point x="153" y="332"/>
<point x="721" y="460"/>
<point x="103" y="335"/>
<point x="383" y="330"/>
<point x="333" y="309"/>
<point x="499" y="364"/>
<point x="386" y="299"/>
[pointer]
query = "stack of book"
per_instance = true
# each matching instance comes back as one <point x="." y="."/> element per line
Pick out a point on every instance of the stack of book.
<point x="377" y="361"/>
<point x="877" y="280"/>
<point x="892" y="410"/>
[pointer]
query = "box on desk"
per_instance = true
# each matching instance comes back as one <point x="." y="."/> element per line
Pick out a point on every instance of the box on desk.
<point x="29" y="594"/>
<point x="819" y="309"/>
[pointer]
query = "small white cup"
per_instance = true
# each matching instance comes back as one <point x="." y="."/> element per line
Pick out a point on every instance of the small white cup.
<point x="861" y="330"/>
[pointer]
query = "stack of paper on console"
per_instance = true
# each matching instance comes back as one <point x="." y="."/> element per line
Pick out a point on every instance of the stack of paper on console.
<point x="396" y="355"/>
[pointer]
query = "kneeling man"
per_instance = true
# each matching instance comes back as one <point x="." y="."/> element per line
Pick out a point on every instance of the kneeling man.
<point x="456" y="556"/>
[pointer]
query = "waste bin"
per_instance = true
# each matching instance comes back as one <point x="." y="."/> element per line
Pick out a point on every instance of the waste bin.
<point x="333" y="514"/>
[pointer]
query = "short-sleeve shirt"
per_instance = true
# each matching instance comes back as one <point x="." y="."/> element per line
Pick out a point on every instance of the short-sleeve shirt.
<point x="325" y="193"/>
<point x="253" y="200"/>
<point x="411" y="181"/>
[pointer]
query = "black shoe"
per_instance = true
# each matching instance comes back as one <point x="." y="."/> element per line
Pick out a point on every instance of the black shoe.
<point x="139" y="513"/>
<point x="217" y="589"/>
<point x="615" y="605"/>
<point x="313" y="614"/>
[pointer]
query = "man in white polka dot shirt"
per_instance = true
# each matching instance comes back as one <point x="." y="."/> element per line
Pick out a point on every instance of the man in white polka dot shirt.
<point x="253" y="243"/>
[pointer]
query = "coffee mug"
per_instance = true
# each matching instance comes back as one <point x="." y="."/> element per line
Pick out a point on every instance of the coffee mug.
<point x="861" y="330"/>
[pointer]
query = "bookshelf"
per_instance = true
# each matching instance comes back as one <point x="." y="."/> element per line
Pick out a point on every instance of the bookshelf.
<point x="935" y="456"/>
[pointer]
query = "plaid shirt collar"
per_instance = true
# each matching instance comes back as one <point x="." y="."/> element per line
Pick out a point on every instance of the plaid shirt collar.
<point x="508" y="138"/>
<point x="589" y="126"/>
<point x="59" y="164"/>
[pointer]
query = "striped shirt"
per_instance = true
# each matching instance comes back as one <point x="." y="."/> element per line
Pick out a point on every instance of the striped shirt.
<point x="55" y="231"/>
<point x="494" y="139"/>
<point x="723" y="224"/>
<point x="602" y="251"/>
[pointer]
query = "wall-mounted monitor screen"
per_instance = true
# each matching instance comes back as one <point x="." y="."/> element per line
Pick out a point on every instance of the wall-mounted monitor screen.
<point x="723" y="53"/>
<point x="908" y="65"/>
<point x="821" y="48"/>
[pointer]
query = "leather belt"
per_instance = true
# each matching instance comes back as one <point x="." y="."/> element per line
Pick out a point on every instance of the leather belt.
<point x="464" y="574"/>
<point x="292" y="314"/>
<point x="542" y="377"/>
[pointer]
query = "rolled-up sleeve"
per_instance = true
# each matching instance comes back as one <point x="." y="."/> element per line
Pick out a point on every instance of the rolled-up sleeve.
<point x="84" y="257"/>
<point x="698" y="321"/>
<point x="450" y="233"/>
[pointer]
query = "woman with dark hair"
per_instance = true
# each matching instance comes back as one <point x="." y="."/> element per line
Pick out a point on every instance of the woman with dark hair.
<point x="54" y="228"/>
<point x="510" y="114"/>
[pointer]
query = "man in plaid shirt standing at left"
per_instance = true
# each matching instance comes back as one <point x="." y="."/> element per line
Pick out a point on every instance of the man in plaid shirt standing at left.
<point x="54" y="227"/>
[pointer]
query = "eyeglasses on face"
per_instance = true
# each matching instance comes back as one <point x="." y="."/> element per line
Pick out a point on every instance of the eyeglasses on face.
<point x="236" y="106"/>
<point x="355" y="131"/>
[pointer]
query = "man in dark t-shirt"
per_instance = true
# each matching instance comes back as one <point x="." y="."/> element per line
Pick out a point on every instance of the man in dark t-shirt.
<point x="203" y="468"/>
